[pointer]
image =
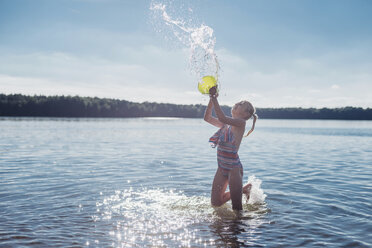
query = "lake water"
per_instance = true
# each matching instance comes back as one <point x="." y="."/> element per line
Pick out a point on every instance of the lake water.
<point x="146" y="183"/>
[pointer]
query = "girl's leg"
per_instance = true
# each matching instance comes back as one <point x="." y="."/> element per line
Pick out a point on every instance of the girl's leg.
<point x="236" y="188"/>
<point x="218" y="196"/>
<point x="246" y="190"/>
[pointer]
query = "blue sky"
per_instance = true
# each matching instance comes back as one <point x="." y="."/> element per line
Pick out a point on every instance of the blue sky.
<point x="284" y="53"/>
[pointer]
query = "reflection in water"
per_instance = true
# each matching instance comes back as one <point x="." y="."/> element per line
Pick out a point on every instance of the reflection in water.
<point x="228" y="232"/>
<point x="239" y="229"/>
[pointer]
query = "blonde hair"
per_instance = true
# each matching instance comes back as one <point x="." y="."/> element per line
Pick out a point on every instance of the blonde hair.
<point x="251" y="111"/>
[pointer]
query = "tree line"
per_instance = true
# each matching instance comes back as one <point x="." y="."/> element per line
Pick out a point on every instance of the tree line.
<point x="76" y="106"/>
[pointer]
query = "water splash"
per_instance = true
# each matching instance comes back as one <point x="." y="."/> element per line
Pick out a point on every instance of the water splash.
<point x="158" y="217"/>
<point x="257" y="195"/>
<point x="199" y="38"/>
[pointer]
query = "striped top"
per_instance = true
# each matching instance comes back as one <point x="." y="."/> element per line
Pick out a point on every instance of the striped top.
<point x="227" y="154"/>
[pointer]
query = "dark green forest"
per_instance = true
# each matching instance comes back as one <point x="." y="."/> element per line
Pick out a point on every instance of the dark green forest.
<point x="76" y="106"/>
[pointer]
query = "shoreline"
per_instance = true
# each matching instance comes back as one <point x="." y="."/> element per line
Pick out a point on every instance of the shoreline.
<point x="18" y="105"/>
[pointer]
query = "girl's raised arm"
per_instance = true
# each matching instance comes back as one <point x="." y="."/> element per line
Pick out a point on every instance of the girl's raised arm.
<point x="209" y="118"/>
<point x="221" y="116"/>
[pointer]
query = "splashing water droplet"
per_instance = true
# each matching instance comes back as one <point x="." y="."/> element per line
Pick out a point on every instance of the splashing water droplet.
<point x="199" y="38"/>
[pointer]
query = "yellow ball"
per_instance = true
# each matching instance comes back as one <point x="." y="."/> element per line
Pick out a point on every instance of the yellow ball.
<point x="206" y="83"/>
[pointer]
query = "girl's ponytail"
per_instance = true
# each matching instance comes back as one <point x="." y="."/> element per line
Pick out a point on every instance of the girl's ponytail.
<point x="255" y="117"/>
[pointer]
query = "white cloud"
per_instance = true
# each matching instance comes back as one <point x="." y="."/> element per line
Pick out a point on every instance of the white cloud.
<point x="158" y="76"/>
<point x="151" y="73"/>
<point x="306" y="82"/>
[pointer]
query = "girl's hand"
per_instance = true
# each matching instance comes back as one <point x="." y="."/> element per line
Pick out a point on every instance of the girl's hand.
<point x="213" y="92"/>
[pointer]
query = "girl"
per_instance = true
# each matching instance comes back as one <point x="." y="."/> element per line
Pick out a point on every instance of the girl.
<point x="228" y="139"/>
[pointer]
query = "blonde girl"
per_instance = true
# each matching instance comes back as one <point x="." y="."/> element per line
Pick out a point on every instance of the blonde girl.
<point x="227" y="140"/>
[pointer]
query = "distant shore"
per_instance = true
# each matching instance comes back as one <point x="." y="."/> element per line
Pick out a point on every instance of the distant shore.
<point x="76" y="106"/>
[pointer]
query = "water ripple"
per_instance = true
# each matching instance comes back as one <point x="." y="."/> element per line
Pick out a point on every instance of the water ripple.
<point x="146" y="182"/>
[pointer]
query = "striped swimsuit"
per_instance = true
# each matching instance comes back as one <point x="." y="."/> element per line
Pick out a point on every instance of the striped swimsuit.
<point x="227" y="154"/>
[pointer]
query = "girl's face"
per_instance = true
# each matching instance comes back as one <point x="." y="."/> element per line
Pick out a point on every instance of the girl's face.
<point x="239" y="110"/>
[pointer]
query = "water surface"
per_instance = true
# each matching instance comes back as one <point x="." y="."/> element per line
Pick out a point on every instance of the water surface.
<point x="146" y="183"/>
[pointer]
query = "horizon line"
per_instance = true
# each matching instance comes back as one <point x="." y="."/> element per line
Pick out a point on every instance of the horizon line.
<point x="118" y="99"/>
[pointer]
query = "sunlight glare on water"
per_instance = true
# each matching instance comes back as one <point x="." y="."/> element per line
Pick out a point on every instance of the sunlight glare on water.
<point x="161" y="218"/>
